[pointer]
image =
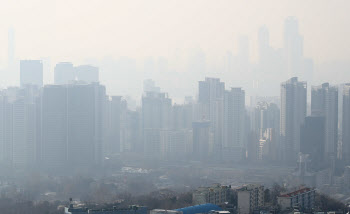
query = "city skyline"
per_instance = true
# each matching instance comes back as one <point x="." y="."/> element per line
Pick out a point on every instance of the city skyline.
<point x="266" y="36"/>
<point x="201" y="106"/>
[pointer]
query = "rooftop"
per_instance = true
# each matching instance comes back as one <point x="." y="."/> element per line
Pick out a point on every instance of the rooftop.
<point x="203" y="208"/>
<point x="297" y="192"/>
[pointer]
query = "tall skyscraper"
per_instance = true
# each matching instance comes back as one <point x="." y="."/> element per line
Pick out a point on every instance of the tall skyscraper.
<point x="31" y="72"/>
<point x="234" y="123"/>
<point x="84" y="115"/>
<point x="72" y="123"/>
<point x="293" y="112"/>
<point x="234" y="112"/>
<point x="18" y="127"/>
<point x="87" y="73"/>
<point x="156" y="116"/>
<point x="54" y="126"/>
<point x="324" y="103"/>
<point x="24" y="133"/>
<point x="346" y="124"/>
<point x="211" y="103"/>
<point x="64" y="73"/>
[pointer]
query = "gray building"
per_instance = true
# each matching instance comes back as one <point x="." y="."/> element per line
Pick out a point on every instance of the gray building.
<point x="72" y="123"/>
<point x="215" y="194"/>
<point x="250" y="198"/>
<point x="324" y="103"/>
<point x="156" y="116"/>
<point x="211" y="99"/>
<point x="54" y="126"/>
<point x="18" y="126"/>
<point x="293" y="112"/>
<point x="302" y="199"/>
<point x="201" y="140"/>
<point x="346" y="124"/>
<point x="234" y="122"/>
<point x="312" y="141"/>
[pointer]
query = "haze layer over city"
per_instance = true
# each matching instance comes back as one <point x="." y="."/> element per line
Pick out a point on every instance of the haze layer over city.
<point x="164" y="106"/>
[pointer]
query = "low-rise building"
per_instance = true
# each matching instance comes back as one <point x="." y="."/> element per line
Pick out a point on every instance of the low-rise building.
<point x="249" y="198"/>
<point x="216" y="194"/>
<point x="301" y="199"/>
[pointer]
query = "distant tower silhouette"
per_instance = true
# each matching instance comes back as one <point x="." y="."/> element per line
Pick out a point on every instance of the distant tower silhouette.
<point x="11" y="47"/>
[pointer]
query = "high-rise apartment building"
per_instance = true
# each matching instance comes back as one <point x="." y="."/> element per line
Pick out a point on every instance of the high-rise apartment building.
<point x="211" y="101"/>
<point x="54" y="126"/>
<point x="156" y="111"/>
<point x="293" y="112"/>
<point x="324" y="103"/>
<point x="234" y="123"/>
<point x="18" y="127"/>
<point x="31" y="72"/>
<point x="72" y="123"/>
<point x="156" y="116"/>
<point x="85" y="105"/>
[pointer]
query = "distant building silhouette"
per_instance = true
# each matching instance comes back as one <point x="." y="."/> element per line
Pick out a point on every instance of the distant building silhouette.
<point x="11" y="48"/>
<point x="293" y="47"/>
<point x="64" y="73"/>
<point x="87" y="73"/>
<point x="31" y="72"/>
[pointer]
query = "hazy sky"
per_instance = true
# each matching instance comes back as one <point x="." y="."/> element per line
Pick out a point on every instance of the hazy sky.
<point x="78" y="29"/>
